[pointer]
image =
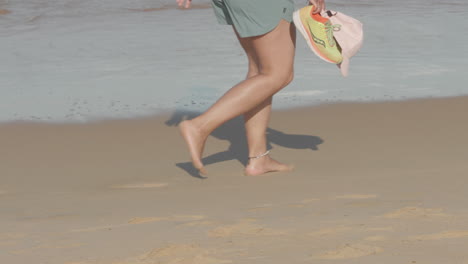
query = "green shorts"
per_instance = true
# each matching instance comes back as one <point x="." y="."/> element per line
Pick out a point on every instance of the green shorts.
<point x="253" y="17"/>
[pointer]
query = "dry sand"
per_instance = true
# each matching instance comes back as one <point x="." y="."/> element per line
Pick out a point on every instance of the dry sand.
<point x="374" y="183"/>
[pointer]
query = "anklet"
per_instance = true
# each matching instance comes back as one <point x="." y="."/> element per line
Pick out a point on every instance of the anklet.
<point x="261" y="155"/>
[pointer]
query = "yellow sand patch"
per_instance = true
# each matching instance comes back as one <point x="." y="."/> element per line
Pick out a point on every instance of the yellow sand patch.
<point x="297" y="205"/>
<point x="442" y="235"/>
<point x="187" y="217"/>
<point x="181" y="254"/>
<point x="171" y="254"/>
<point x="351" y="251"/>
<point x="259" y="209"/>
<point x="143" y="220"/>
<point x="375" y="238"/>
<point x="416" y="212"/>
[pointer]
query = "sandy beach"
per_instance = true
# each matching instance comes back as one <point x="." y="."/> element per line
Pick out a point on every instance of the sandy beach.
<point x="374" y="183"/>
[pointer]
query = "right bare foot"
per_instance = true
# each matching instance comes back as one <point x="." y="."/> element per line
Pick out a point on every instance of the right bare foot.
<point x="195" y="142"/>
<point x="264" y="165"/>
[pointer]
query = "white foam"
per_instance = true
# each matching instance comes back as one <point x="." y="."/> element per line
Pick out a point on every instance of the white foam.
<point x="300" y="93"/>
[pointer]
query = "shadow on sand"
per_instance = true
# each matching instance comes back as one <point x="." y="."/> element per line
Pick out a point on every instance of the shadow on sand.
<point x="234" y="132"/>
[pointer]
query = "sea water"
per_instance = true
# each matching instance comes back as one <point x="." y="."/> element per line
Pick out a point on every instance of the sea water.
<point x="81" y="60"/>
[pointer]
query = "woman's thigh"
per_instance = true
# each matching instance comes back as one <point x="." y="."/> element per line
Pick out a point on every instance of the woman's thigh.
<point x="275" y="50"/>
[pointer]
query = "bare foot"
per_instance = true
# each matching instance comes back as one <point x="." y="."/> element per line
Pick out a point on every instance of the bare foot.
<point x="195" y="142"/>
<point x="264" y="165"/>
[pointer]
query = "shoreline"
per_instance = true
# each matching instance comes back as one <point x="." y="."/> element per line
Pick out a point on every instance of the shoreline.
<point x="169" y="112"/>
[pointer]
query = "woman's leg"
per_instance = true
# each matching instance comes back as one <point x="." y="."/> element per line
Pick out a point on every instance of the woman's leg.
<point x="256" y="122"/>
<point x="275" y="55"/>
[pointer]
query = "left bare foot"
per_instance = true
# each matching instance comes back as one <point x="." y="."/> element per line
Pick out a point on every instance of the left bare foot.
<point x="264" y="165"/>
<point x="195" y="142"/>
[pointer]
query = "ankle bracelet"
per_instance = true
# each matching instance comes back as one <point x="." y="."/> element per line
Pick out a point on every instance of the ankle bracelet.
<point x="261" y="155"/>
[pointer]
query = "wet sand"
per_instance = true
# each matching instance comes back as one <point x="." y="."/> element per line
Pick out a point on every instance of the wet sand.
<point x="374" y="183"/>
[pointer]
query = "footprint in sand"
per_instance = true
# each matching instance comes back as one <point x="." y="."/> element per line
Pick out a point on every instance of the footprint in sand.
<point x="384" y="228"/>
<point x="176" y="218"/>
<point x="415" y="212"/>
<point x="325" y="232"/>
<point x="172" y="254"/>
<point x="441" y="235"/>
<point x="261" y="208"/>
<point x="8" y="239"/>
<point x="309" y="200"/>
<point x="186" y="218"/>
<point x="12" y="236"/>
<point x="355" y="196"/>
<point x="66" y="245"/>
<point x="303" y="203"/>
<point x="199" y="223"/>
<point x="143" y="220"/>
<point x="245" y="227"/>
<point x="350" y="251"/>
<point x="140" y="185"/>
<point x="180" y="254"/>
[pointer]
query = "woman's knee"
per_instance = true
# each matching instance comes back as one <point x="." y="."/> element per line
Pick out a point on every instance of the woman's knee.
<point x="285" y="77"/>
<point x="279" y="78"/>
<point x="253" y="70"/>
<point x="289" y="78"/>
